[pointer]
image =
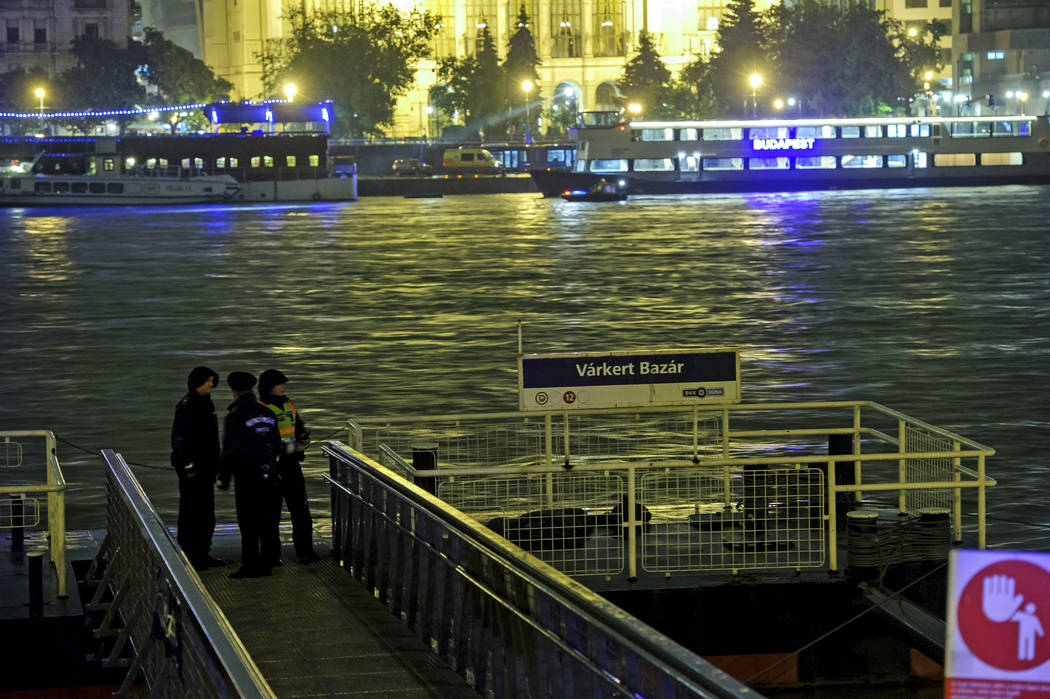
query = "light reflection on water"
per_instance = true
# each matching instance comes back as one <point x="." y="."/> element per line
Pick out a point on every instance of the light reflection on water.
<point x="933" y="302"/>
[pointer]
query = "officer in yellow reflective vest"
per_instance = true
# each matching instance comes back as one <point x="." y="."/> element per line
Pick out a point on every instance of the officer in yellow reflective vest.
<point x="294" y="438"/>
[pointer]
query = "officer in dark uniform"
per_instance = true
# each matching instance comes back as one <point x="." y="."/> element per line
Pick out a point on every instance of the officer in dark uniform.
<point x="294" y="439"/>
<point x="250" y="447"/>
<point x="195" y="457"/>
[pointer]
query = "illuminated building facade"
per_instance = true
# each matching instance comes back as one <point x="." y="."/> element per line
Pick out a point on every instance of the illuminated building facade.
<point x="38" y="35"/>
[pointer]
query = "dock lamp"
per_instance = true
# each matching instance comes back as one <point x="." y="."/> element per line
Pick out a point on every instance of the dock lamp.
<point x="755" y="81"/>
<point x="526" y="85"/>
<point x="1022" y="97"/>
<point x="39" y="92"/>
<point x="290" y="89"/>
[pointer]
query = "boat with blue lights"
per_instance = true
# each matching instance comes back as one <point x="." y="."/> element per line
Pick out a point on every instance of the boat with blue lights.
<point x="684" y="157"/>
<point x="270" y="152"/>
<point x="602" y="191"/>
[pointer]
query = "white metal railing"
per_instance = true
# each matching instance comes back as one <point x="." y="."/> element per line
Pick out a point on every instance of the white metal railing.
<point x="51" y="482"/>
<point x="729" y="487"/>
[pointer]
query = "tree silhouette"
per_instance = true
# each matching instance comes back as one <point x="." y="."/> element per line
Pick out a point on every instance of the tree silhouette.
<point x="742" y="40"/>
<point x="646" y="80"/>
<point x="520" y="65"/>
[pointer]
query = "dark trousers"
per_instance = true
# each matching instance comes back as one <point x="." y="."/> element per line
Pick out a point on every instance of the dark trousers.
<point x="257" y="506"/>
<point x="196" y="515"/>
<point x="293" y="490"/>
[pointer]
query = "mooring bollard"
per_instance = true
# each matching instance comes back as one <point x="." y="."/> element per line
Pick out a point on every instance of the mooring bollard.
<point x="862" y="544"/>
<point x="935" y="536"/>
<point x="36" y="584"/>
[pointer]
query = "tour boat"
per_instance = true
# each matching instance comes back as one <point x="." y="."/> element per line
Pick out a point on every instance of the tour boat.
<point x="681" y="157"/>
<point x="21" y="186"/>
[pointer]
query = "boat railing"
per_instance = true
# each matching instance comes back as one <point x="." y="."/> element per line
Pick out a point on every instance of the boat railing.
<point x="20" y="485"/>
<point x="155" y="608"/>
<point x="502" y="619"/>
<point x="787" y="468"/>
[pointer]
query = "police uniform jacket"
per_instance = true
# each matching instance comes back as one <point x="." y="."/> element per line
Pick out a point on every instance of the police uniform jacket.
<point x="195" y="437"/>
<point x="251" y="441"/>
<point x="301" y="434"/>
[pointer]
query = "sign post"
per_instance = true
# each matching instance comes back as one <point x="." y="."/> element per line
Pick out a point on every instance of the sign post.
<point x="998" y="644"/>
<point x="628" y="379"/>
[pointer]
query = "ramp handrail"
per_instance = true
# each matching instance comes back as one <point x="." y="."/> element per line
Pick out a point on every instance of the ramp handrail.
<point x="164" y="603"/>
<point x="55" y="487"/>
<point x="513" y="624"/>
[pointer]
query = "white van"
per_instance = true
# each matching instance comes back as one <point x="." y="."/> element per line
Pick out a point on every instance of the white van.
<point x="472" y="160"/>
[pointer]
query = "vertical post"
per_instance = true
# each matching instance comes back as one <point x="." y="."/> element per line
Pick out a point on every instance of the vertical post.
<point x="565" y="423"/>
<point x="17" y="515"/>
<point x="632" y="532"/>
<point x="981" y="492"/>
<point x="725" y="455"/>
<point x="833" y="544"/>
<point x="696" y="436"/>
<point x="956" y="495"/>
<point x="858" y="496"/>
<point x="902" y="471"/>
<point x="547" y="429"/>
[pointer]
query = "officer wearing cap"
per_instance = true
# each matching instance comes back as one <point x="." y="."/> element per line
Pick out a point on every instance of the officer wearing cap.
<point x="294" y="439"/>
<point x="195" y="457"/>
<point x="250" y="447"/>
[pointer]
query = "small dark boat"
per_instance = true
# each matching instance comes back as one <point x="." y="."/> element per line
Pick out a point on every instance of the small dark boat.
<point x="596" y="193"/>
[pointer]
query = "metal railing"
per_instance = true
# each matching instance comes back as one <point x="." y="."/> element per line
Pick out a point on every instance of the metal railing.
<point x="164" y="624"/>
<point x="22" y="512"/>
<point x="705" y="488"/>
<point x="504" y="620"/>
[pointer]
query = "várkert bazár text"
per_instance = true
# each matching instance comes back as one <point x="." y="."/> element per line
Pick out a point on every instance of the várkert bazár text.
<point x="592" y="369"/>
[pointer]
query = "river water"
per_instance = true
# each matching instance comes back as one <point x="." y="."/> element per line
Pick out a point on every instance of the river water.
<point x="934" y="302"/>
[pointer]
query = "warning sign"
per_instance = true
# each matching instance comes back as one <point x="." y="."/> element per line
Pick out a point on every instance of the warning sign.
<point x="998" y="624"/>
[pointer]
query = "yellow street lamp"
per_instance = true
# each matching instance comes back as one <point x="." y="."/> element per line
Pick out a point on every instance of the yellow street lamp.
<point x="39" y="92"/>
<point x="754" y="80"/>
<point x="634" y="108"/>
<point x="778" y="104"/>
<point x="527" y="86"/>
<point x="1022" y="97"/>
<point x="290" y="89"/>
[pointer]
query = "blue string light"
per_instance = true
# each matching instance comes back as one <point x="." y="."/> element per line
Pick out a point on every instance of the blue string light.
<point x="138" y="111"/>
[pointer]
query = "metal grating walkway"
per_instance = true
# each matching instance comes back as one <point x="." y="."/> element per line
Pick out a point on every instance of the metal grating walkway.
<point x="313" y="631"/>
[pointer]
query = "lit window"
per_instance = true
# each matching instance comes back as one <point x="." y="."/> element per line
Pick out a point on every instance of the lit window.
<point x="723" y="163"/>
<point x="256" y="161"/>
<point x="818" y="162"/>
<point x="954" y="160"/>
<point x="198" y="162"/>
<point x="897" y="130"/>
<point x="920" y="130"/>
<point x="712" y="24"/>
<point x="108" y="165"/>
<point x="618" y="165"/>
<point x="768" y="132"/>
<point x="290" y="161"/>
<point x="653" y="165"/>
<point x="815" y="132"/>
<point x="220" y="163"/>
<point x="1001" y="159"/>
<point x="863" y="161"/>
<point x="851" y="132"/>
<point x="768" y="163"/>
<point x="163" y="163"/>
<point x="315" y="160"/>
<point x="689" y="163"/>
<point x="233" y="162"/>
<point x="918" y="158"/>
<point x="268" y="160"/>
<point x="689" y="135"/>
<point x="896" y="161"/>
<point x="734" y="133"/>
<point x="186" y="163"/>
<point x="996" y="55"/>
<point x="151" y="163"/>
<point x="656" y="134"/>
<point x="873" y="131"/>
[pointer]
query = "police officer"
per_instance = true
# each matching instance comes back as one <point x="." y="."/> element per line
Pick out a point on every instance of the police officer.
<point x="250" y="447"/>
<point x="195" y="457"/>
<point x="294" y="439"/>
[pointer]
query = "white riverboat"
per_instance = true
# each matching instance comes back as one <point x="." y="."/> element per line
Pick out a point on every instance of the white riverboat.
<point x="665" y="157"/>
<point x="24" y="185"/>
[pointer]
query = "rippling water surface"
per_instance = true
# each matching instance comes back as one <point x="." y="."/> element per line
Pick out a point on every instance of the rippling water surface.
<point x="934" y="302"/>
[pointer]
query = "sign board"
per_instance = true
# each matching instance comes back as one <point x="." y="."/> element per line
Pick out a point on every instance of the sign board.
<point x="998" y="643"/>
<point x="628" y="379"/>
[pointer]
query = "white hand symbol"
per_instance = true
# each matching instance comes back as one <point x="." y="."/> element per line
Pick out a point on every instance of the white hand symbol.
<point x="998" y="601"/>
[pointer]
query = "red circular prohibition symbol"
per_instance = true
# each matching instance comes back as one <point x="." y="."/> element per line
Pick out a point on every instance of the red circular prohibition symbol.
<point x="1004" y="615"/>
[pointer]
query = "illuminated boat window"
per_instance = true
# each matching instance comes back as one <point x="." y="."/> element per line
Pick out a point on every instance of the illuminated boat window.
<point x="1011" y="128"/>
<point x="962" y="129"/>
<point x="768" y="163"/>
<point x="818" y="162"/>
<point x="851" y="132"/>
<point x="896" y="130"/>
<point x="861" y="161"/>
<point x="656" y="134"/>
<point x="896" y="161"/>
<point x="918" y="159"/>
<point x="653" y="164"/>
<point x="920" y="130"/>
<point x="689" y="135"/>
<point x="689" y="163"/>
<point x="873" y="131"/>
<point x="954" y="159"/>
<point x="581" y="166"/>
<point x="815" y="132"/>
<point x="1001" y="159"/>
<point x="723" y="163"/>
<point x="729" y="133"/>
<point x="768" y="132"/>
<point x="616" y="165"/>
<point x="151" y="163"/>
